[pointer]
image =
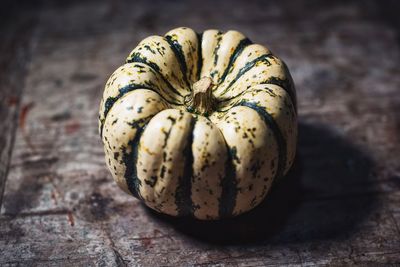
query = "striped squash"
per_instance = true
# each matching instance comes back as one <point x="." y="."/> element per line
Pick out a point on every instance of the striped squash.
<point x="199" y="124"/>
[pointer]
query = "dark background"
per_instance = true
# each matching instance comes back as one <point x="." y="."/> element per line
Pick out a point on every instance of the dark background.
<point x="340" y="204"/>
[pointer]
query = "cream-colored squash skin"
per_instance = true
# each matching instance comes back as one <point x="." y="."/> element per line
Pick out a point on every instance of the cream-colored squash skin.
<point x="156" y="51"/>
<point x="130" y="77"/>
<point x="161" y="159"/>
<point x="209" y="42"/>
<point x="253" y="151"/>
<point x="160" y="171"/>
<point x="210" y="155"/>
<point x="219" y="46"/>
<point x="276" y="102"/>
<point x="183" y="163"/>
<point x="187" y="41"/>
<point x="123" y="121"/>
<point x="249" y="54"/>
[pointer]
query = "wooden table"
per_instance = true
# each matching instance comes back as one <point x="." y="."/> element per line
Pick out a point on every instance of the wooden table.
<point x="339" y="206"/>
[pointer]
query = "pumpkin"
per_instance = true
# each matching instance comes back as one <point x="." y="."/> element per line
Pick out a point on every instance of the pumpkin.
<point x="199" y="124"/>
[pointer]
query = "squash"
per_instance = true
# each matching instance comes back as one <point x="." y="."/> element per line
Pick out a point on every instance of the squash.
<point x="199" y="124"/>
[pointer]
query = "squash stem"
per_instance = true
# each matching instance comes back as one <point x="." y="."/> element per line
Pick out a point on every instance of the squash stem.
<point x="201" y="100"/>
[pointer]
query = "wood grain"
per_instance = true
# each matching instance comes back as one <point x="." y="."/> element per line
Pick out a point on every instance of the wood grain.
<point x="15" y="48"/>
<point x="338" y="206"/>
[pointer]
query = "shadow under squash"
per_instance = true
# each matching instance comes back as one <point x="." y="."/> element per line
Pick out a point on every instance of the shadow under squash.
<point x="323" y="197"/>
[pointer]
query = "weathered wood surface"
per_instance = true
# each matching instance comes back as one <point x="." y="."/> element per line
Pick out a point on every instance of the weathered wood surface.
<point x="340" y="205"/>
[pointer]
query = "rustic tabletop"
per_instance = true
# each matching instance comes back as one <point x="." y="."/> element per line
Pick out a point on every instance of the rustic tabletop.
<point x="340" y="204"/>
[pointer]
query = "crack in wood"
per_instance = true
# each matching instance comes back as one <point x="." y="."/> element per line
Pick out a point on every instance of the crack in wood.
<point x="21" y="41"/>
